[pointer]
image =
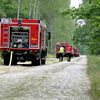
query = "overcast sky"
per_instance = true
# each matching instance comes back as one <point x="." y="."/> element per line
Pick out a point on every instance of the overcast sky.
<point x="75" y="3"/>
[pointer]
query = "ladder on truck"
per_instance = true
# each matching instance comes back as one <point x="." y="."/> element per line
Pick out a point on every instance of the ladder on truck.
<point x="5" y="36"/>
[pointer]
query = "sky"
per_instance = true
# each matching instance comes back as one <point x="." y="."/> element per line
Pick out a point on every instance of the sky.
<point x="75" y="3"/>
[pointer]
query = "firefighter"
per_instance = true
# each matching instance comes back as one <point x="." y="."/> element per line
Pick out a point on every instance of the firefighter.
<point x="69" y="52"/>
<point x="61" y="52"/>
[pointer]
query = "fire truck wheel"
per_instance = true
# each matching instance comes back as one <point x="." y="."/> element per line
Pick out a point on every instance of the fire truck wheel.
<point x="14" y="62"/>
<point x="35" y="62"/>
<point x="6" y="61"/>
<point x="43" y="62"/>
<point x="38" y="62"/>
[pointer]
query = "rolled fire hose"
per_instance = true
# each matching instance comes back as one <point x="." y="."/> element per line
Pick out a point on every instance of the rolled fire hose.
<point x="10" y="58"/>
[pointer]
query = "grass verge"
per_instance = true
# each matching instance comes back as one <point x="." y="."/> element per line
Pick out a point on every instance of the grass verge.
<point x="50" y="56"/>
<point x="94" y="74"/>
<point x="1" y="60"/>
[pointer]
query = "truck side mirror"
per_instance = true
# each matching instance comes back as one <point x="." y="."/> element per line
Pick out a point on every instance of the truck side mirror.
<point x="49" y="35"/>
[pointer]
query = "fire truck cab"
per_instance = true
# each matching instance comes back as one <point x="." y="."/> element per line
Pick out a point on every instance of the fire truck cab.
<point x="26" y="38"/>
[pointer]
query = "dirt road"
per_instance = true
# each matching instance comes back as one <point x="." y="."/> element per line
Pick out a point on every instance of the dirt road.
<point x="58" y="81"/>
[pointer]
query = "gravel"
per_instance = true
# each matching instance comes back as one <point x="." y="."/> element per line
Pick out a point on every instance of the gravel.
<point x="58" y="81"/>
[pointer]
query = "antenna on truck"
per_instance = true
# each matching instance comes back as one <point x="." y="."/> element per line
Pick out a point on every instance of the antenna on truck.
<point x="18" y="9"/>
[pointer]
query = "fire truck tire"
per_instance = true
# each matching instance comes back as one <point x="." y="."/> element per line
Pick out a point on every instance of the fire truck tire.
<point x="35" y="62"/>
<point x="6" y="61"/>
<point x="38" y="62"/>
<point x="43" y="62"/>
<point x="14" y="62"/>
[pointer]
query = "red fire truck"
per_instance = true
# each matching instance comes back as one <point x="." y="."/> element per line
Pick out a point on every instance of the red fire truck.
<point x="74" y="52"/>
<point x="26" y="38"/>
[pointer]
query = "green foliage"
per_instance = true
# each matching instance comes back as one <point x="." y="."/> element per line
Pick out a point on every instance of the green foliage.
<point x="89" y="11"/>
<point x="8" y="9"/>
<point x="94" y="74"/>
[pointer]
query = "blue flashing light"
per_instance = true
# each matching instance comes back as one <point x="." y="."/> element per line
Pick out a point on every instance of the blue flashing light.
<point x="19" y="21"/>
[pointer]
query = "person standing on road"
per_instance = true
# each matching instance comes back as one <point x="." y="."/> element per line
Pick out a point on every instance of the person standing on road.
<point x="61" y="52"/>
<point x="69" y="52"/>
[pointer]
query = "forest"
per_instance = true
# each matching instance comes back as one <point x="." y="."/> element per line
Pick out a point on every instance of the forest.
<point x="61" y="20"/>
<point x="88" y="36"/>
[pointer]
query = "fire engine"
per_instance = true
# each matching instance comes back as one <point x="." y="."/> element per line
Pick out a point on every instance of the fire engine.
<point x="74" y="51"/>
<point x="26" y="38"/>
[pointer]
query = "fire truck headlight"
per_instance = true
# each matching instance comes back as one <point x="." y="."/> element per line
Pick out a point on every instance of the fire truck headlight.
<point x="15" y="45"/>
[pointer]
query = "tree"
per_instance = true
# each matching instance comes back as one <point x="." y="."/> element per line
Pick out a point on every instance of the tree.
<point x="89" y="11"/>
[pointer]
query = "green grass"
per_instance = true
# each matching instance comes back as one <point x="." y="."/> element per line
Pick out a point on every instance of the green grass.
<point x="1" y="61"/>
<point x="94" y="74"/>
<point x="50" y="56"/>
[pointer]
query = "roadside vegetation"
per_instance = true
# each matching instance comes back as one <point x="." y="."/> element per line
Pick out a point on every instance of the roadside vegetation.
<point x="87" y="33"/>
<point x="0" y="58"/>
<point x="94" y="74"/>
<point x="50" y="56"/>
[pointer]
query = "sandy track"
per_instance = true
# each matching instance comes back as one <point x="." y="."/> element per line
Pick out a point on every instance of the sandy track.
<point x="59" y="81"/>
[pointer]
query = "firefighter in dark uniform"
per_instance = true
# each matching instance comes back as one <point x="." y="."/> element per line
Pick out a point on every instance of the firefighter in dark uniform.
<point x="69" y="52"/>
